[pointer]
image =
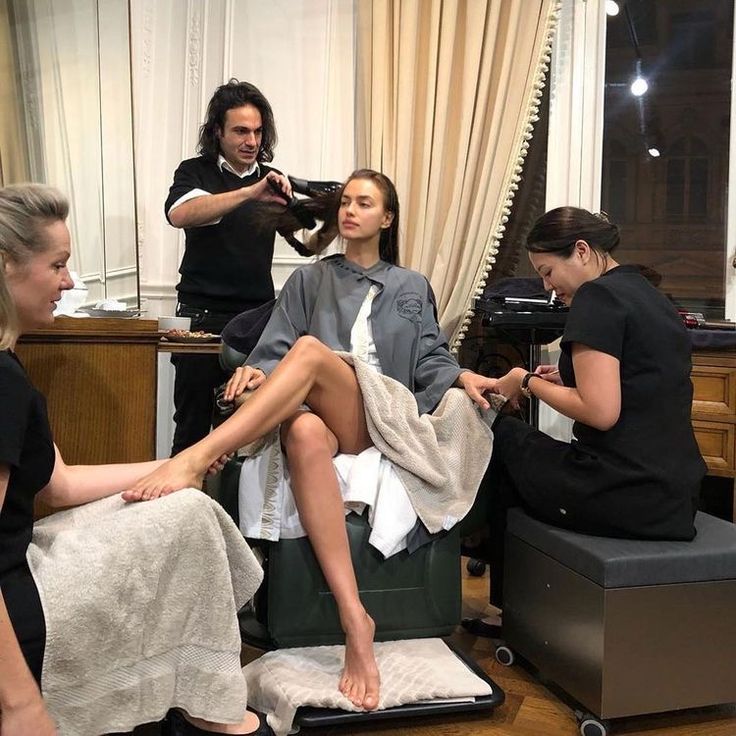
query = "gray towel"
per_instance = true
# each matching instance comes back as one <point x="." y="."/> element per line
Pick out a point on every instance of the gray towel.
<point x="140" y="603"/>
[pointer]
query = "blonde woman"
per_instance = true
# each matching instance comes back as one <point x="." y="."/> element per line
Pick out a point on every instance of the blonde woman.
<point x="35" y="249"/>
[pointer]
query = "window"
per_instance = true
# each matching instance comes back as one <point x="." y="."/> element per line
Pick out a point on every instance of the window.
<point x="665" y="153"/>
<point x="692" y="40"/>
<point x="619" y="182"/>
<point x="687" y="178"/>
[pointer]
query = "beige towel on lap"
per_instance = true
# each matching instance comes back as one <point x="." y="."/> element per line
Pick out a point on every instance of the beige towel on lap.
<point x="140" y="602"/>
<point x="440" y="457"/>
<point x="411" y="671"/>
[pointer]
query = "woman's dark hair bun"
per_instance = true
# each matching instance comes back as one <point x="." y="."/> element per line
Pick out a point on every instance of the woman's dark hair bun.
<point x="558" y="230"/>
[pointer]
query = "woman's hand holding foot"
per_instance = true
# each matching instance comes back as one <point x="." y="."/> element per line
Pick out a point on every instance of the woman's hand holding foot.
<point x="360" y="681"/>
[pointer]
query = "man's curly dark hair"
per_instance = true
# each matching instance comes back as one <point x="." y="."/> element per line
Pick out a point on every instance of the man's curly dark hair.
<point x="226" y="97"/>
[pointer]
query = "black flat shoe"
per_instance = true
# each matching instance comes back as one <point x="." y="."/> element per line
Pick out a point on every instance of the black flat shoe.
<point x="478" y="627"/>
<point x="177" y="725"/>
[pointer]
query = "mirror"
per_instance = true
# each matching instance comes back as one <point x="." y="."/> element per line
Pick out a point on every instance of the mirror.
<point x="66" y="120"/>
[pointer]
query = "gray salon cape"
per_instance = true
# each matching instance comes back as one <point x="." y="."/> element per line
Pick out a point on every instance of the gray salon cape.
<point x="323" y="300"/>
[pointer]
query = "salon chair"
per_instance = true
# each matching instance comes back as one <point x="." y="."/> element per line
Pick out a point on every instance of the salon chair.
<point x="408" y="595"/>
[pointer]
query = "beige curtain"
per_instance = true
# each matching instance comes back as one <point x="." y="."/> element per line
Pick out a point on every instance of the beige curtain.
<point x="447" y="94"/>
<point x="13" y="145"/>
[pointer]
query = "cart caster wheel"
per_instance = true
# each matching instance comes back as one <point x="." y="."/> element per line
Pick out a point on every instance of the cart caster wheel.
<point x="591" y="726"/>
<point x="475" y="567"/>
<point x="505" y="656"/>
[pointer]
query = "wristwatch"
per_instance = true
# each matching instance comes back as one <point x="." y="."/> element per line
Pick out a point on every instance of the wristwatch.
<point x="525" y="384"/>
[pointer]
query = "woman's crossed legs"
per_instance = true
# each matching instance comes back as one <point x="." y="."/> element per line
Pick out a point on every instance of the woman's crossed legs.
<point x="311" y="374"/>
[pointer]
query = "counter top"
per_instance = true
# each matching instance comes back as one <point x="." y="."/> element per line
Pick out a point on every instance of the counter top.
<point x="93" y="329"/>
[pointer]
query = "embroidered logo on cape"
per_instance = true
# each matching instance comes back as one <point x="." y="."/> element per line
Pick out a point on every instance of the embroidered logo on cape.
<point x="409" y="306"/>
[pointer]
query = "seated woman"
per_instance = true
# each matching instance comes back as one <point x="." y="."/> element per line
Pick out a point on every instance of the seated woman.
<point x="633" y="469"/>
<point x="34" y="250"/>
<point x="361" y="298"/>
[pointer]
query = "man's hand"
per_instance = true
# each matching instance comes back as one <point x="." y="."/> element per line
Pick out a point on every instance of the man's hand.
<point x="272" y="188"/>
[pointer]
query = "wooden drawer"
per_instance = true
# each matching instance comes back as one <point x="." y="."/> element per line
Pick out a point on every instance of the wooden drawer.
<point x="714" y="391"/>
<point x="716" y="443"/>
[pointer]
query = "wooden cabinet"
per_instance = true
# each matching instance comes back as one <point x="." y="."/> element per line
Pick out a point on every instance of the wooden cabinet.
<point x="99" y="379"/>
<point x="714" y="411"/>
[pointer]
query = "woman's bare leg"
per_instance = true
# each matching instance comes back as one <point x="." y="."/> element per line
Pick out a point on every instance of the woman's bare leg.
<point x="310" y="447"/>
<point x="309" y="373"/>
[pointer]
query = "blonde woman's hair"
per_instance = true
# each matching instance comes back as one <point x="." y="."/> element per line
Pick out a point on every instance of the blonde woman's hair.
<point x="25" y="209"/>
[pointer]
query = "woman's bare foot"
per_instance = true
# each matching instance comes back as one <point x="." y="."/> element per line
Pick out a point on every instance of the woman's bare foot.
<point x="180" y="472"/>
<point x="250" y="724"/>
<point x="360" y="679"/>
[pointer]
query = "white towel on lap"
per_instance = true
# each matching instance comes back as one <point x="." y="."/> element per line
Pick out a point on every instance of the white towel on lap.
<point x="268" y="510"/>
<point x="140" y="602"/>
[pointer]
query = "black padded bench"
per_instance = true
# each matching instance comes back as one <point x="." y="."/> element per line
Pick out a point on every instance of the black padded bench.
<point x="625" y="627"/>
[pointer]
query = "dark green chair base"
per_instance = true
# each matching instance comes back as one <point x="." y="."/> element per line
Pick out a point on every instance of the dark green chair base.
<point x="409" y="596"/>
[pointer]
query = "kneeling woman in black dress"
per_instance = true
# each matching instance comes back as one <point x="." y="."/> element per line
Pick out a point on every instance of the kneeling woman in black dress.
<point x="633" y="469"/>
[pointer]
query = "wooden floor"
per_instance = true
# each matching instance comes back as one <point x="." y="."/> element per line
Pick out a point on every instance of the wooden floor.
<point x="530" y="708"/>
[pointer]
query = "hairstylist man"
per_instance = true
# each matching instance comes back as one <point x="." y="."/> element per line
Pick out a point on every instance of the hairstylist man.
<point x="226" y="267"/>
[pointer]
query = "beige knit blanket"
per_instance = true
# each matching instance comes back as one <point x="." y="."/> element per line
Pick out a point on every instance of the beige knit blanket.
<point x="140" y="603"/>
<point x="440" y="457"/>
<point x="411" y="671"/>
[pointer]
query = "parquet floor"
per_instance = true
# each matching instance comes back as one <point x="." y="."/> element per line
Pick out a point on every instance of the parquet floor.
<point x="530" y="708"/>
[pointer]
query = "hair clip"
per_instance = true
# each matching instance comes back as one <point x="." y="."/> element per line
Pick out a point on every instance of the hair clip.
<point x="602" y="216"/>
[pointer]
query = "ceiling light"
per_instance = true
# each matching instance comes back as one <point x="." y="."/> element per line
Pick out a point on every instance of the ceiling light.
<point x="639" y="86"/>
<point x="653" y="152"/>
<point x="612" y="7"/>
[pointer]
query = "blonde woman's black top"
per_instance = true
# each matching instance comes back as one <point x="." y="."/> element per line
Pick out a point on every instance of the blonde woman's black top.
<point x="26" y="447"/>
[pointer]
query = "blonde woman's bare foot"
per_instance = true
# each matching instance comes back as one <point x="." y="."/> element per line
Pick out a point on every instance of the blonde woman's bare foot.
<point x="180" y="472"/>
<point x="360" y="681"/>
<point x="252" y="723"/>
